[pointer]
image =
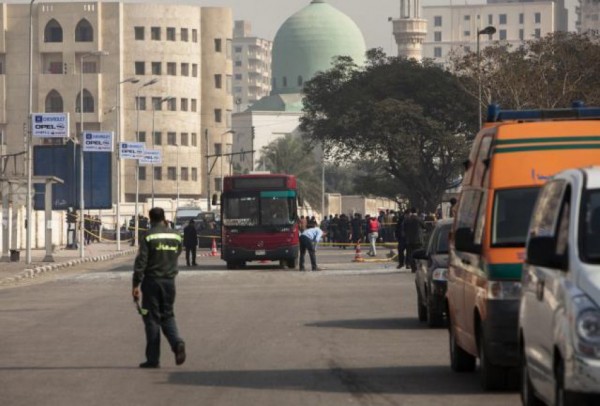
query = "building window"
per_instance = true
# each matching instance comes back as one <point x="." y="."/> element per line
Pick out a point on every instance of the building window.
<point x="229" y="84"/>
<point x="139" y="33"/>
<point x="467" y="33"/>
<point x="90" y="67"/>
<point x="158" y="172"/>
<point x="156" y="68"/>
<point x="142" y="173"/>
<point x="538" y="18"/>
<point x="437" y="21"/>
<point x="184" y="174"/>
<point x="185" y="69"/>
<point x="238" y="50"/>
<point x="467" y="18"/>
<point x="157" y="138"/>
<point x="155" y="33"/>
<point x="521" y="34"/>
<point x="170" y="34"/>
<point x="184" y="34"/>
<point x="229" y="48"/>
<point x="171" y="68"/>
<point x="238" y="89"/>
<point x="217" y="148"/>
<point x="502" y="19"/>
<point x="172" y="104"/>
<point x="141" y="136"/>
<point x="218" y="45"/>
<point x="184" y="139"/>
<point x="171" y="138"/>
<point x="490" y="19"/>
<point x="521" y="18"/>
<point x="54" y="102"/>
<point x="284" y="81"/>
<point x="300" y="81"/>
<point x="228" y="118"/>
<point x="537" y="33"/>
<point x="195" y="70"/>
<point x="238" y="76"/>
<point x="156" y="103"/>
<point x="194" y="106"/>
<point x="140" y="102"/>
<point x="194" y="174"/>
<point x="140" y="68"/>
<point x="218" y="115"/>
<point x="437" y="52"/>
<point x="53" y="32"/>
<point x="502" y="34"/>
<point x="184" y="105"/>
<point x="218" y="81"/>
<point x="437" y="36"/>
<point x="88" y="102"/>
<point x="194" y="139"/>
<point x="84" y="31"/>
<point x="171" y="173"/>
<point x="217" y="184"/>
<point x="194" y="35"/>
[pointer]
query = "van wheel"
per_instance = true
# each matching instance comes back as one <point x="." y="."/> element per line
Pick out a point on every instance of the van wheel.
<point x="460" y="360"/>
<point x="434" y="318"/>
<point x="421" y="308"/>
<point x="491" y="377"/>
<point x="528" y="396"/>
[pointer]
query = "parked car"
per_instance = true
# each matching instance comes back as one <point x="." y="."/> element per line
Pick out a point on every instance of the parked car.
<point x="430" y="278"/>
<point x="559" y="319"/>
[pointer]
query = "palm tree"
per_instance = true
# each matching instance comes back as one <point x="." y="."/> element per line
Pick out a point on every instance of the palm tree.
<point x="292" y="156"/>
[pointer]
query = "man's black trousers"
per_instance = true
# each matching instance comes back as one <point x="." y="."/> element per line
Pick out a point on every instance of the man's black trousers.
<point x="190" y="250"/>
<point x="158" y="297"/>
<point x="307" y="245"/>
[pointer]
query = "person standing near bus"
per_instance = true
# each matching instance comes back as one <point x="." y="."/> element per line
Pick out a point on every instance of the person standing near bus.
<point x="308" y="242"/>
<point x="154" y="274"/>
<point x="373" y="226"/>
<point x="190" y="242"/>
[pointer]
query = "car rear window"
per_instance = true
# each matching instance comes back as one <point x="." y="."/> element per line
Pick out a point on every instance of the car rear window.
<point x="442" y="243"/>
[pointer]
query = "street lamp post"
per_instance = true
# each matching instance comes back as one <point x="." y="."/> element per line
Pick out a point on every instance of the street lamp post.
<point x="28" y="202"/>
<point x="177" y="176"/>
<point x="222" y="155"/>
<point x="118" y="137"/>
<point x="81" y="162"/>
<point x="489" y="30"/>
<point x="137" y="162"/>
<point x="160" y="102"/>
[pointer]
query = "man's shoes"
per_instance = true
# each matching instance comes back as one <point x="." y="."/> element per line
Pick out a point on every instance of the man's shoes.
<point x="400" y="267"/>
<point x="194" y="264"/>
<point x="149" y="365"/>
<point x="317" y="269"/>
<point x="302" y="269"/>
<point x="180" y="353"/>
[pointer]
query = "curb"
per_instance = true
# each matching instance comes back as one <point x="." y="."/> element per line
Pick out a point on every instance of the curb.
<point x="42" y="269"/>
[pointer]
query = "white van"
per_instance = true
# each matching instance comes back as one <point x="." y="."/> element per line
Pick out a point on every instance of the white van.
<point x="559" y="320"/>
<point x="183" y="215"/>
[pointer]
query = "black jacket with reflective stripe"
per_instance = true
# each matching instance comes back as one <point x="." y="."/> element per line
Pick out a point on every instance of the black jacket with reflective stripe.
<point x="158" y="254"/>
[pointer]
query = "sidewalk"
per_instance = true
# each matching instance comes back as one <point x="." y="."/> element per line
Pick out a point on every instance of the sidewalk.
<point x="11" y="272"/>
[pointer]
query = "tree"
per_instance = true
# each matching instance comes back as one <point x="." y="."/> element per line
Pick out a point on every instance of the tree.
<point x="291" y="155"/>
<point x="412" y="120"/>
<point x="548" y="72"/>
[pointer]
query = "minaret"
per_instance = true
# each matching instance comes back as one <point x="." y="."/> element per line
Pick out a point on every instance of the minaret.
<point x="410" y="30"/>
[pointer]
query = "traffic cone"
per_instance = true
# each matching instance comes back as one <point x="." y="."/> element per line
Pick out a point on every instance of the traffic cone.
<point x="213" y="249"/>
<point x="357" y="256"/>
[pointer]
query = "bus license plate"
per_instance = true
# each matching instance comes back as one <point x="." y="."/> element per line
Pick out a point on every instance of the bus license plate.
<point x="260" y="253"/>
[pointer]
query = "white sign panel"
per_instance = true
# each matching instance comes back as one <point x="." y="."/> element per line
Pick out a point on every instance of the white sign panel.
<point x="98" y="141"/>
<point x="131" y="150"/>
<point x="50" y="125"/>
<point x="151" y="157"/>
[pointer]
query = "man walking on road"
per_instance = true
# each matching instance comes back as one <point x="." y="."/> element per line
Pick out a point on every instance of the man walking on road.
<point x="413" y="231"/>
<point x="190" y="242"/>
<point x="154" y="274"/>
<point x="308" y="242"/>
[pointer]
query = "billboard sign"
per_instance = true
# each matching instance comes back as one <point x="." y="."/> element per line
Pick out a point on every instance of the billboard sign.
<point x="97" y="141"/>
<point x="50" y="125"/>
<point x="131" y="150"/>
<point x="151" y="157"/>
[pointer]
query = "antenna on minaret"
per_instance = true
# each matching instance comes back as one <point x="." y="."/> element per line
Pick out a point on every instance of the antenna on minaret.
<point x="410" y="30"/>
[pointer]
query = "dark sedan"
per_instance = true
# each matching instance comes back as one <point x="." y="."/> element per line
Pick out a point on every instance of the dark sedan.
<point x="430" y="278"/>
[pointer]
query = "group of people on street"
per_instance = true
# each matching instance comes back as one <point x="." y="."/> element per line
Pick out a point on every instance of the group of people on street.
<point x="92" y="226"/>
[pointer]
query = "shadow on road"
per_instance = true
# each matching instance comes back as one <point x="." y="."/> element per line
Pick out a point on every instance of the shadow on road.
<point x="405" y="323"/>
<point x="406" y="380"/>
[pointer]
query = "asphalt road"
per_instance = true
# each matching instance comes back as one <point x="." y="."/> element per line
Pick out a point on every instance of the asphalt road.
<point x="261" y="336"/>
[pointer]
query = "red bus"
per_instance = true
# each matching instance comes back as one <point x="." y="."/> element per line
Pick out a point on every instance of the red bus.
<point x="259" y="219"/>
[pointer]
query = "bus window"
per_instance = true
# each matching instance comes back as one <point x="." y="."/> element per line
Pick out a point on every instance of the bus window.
<point x="240" y="211"/>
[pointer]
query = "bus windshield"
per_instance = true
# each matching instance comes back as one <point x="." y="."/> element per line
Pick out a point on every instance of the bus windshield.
<point x="591" y="225"/>
<point x="512" y="213"/>
<point x="266" y="208"/>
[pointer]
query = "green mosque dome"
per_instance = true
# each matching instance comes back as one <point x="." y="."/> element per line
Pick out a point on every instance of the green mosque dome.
<point x="307" y="43"/>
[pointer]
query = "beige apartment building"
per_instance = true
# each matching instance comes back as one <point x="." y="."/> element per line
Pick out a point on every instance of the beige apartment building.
<point x="180" y="56"/>
<point x="251" y="66"/>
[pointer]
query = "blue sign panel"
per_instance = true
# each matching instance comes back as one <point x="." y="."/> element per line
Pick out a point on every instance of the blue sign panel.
<point x="62" y="161"/>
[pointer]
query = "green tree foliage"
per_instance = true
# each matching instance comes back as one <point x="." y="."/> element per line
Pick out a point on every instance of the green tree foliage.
<point x="291" y="155"/>
<point x="411" y="120"/>
<point x="548" y="72"/>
